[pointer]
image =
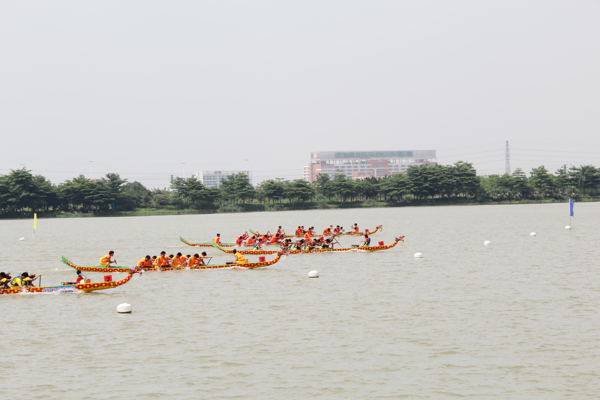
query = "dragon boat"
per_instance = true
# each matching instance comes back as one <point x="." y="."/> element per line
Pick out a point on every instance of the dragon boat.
<point x="377" y="229"/>
<point x="347" y="249"/>
<point x="124" y="269"/>
<point x="82" y="287"/>
<point x="207" y="244"/>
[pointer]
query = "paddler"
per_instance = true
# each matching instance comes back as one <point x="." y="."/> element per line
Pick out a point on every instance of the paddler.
<point x="107" y="259"/>
<point x="5" y="279"/>
<point x="239" y="258"/>
<point x="285" y="244"/>
<point x="176" y="260"/>
<point x="198" y="259"/>
<point x="279" y="231"/>
<point x="17" y="281"/>
<point x="185" y="260"/>
<point x="257" y="246"/>
<point x="356" y="230"/>
<point x="367" y="240"/>
<point x="239" y="240"/>
<point x="307" y="236"/>
<point x="80" y="279"/>
<point x="162" y="261"/>
<point x="298" y="245"/>
<point x="276" y="238"/>
<point x="29" y="279"/>
<point x="145" y="262"/>
<point x="217" y="239"/>
<point x="326" y="243"/>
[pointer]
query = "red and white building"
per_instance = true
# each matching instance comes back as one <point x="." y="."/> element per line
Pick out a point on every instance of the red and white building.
<point x="365" y="164"/>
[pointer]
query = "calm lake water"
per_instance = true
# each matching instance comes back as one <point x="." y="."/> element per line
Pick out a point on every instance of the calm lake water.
<point x="518" y="319"/>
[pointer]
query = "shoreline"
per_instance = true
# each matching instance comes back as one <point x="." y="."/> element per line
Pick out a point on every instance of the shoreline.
<point x="148" y="212"/>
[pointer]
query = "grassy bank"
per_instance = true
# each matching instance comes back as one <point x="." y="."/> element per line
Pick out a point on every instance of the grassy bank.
<point x="321" y="205"/>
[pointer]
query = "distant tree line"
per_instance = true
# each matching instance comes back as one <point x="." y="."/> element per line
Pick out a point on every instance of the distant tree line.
<point x="20" y="191"/>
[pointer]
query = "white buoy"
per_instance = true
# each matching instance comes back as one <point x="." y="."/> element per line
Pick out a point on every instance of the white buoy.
<point x="487" y="243"/>
<point x="568" y="227"/>
<point x="313" y="274"/>
<point x="533" y="234"/>
<point x="124" y="308"/>
<point x="22" y="239"/>
<point x="418" y="255"/>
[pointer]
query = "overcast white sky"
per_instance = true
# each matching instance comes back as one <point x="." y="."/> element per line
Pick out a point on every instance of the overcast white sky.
<point x="141" y="86"/>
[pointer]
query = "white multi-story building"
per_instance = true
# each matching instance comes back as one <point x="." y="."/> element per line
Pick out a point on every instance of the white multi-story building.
<point x="365" y="164"/>
<point x="213" y="178"/>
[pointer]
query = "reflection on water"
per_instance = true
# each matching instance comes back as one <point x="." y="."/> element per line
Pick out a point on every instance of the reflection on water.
<point x="516" y="319"/>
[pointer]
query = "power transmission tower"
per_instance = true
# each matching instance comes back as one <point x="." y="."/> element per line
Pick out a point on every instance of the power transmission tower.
<point x="507" y="160"/>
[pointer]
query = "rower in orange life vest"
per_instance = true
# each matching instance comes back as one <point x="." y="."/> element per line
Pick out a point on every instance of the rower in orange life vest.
<point x="217" y="239"/>
<point x="176" y="260"/>
<point x="145" y="262"/>
<point x="107" y="260"/>
<point x="307" y="236"/>
<point x="239" y="258"/>
<point x="279" y="231"/>
<point x="356" y="230"/>
<point x="197" y="260"/>
<point x="162" y="261"/>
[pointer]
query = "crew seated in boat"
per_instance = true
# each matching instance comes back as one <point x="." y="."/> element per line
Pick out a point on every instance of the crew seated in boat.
<point x="298" y="245"/>
<point x="285" y="244"/>
<point x="355" y="228"/>
<point x="217" y="239"/>
<point x="326" y="244"/>
<point x="239" y="240"/>
<point x="162" y="261"/>
<point x="239" y="258"/>
<point x="5" y="279"/>
<point x="313" y="244"/>
<point x="28" y="280"/>
<point x="367" y="241"/>
<point x="279" y="231"/>
<point x="80" y="279"/>
<point x="197" y="260"/>
<point x="176" y="260"/>
<point x="276" y="238"/>
<point x="257" y="245"/>
<point x="23" y="280"/>
<point x="145" y="262"/>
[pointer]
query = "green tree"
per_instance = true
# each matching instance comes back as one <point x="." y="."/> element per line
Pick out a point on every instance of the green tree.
<point x="542" y="182"/>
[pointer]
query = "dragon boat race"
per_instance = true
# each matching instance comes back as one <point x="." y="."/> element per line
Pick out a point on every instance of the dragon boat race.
<point x="272" y="200"/>
<point x="515" y="319"/>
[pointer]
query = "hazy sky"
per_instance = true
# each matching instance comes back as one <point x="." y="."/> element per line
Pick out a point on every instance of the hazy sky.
<point x="141" y="86"/>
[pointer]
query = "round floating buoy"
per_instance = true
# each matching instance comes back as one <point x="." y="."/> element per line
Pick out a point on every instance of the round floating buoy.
<point x="418" y="255"/>
<point x="313" y="274"/>
<point x="568" y="227"/>
<point x="22" y="239"/>
<point x="487" y="243"/>
<point x="124" y="308"/>
<point x="533" y="234"/>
